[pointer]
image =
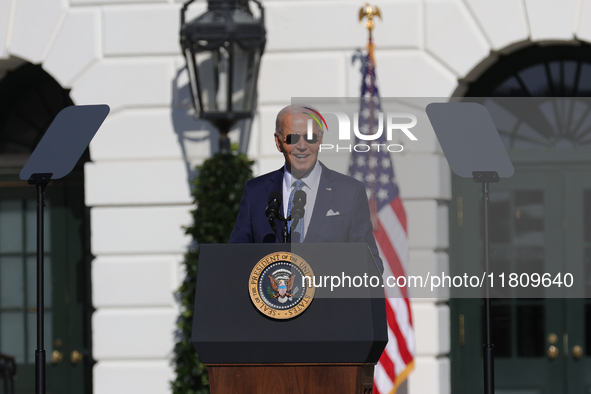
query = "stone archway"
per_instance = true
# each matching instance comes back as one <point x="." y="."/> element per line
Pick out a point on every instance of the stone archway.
<point x="29" y="101"/>
<point x="552" y="167"/>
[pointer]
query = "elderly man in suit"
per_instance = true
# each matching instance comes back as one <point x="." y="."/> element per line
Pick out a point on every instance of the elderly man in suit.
<point x="336" y="210"/>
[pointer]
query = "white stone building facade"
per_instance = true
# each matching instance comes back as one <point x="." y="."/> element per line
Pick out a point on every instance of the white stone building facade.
<point x="125" y="53"/>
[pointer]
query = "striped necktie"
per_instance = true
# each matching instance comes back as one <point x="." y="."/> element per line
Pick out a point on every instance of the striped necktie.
<point x="298" y="185"/>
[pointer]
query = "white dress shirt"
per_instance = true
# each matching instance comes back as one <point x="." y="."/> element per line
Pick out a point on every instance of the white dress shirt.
<point x="312" y="180"/>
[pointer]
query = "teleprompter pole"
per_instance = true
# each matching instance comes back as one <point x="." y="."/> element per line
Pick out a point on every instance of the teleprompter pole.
<point x="485" y="177"/>
<point x="469" y="150"/>
<point x="489" y="357"/>
<point x="40" y="181"/>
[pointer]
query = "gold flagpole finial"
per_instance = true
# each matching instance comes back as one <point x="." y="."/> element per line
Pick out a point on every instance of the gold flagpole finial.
<point x="370" y="12"/>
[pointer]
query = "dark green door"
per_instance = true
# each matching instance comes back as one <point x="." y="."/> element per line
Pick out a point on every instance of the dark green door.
<point x="576" y="345"/>
<point x="543" y="344"/>
<point x="65" y="279"/>
<point x="538" y="221"/>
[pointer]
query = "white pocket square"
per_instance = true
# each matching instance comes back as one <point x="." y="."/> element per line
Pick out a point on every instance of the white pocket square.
<point x="331" y="213"/>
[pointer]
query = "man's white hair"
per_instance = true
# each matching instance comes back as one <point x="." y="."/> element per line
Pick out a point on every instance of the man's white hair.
<point x="292" y="109"/>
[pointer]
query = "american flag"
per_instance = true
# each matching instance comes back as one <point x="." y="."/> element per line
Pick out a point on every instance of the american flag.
<point x="376" y="171"/>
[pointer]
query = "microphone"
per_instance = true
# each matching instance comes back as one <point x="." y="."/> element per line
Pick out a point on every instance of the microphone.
<point x="297" y="209"/>
<point x="272" y="210"/>
<point x="273" y="205"/>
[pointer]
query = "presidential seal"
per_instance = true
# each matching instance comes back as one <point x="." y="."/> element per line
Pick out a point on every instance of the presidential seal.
<point x="277" y="287"/>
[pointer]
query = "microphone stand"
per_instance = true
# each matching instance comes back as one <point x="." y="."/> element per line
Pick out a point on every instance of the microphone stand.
<point x="285" y="233"/>
<point x="285" y="230"/>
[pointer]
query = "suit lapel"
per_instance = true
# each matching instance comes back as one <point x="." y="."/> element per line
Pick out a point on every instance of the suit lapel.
<point x="276" y="183"/>
<point x="326" y="192"/>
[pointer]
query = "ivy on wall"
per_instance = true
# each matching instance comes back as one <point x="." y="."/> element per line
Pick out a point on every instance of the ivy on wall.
<point x="217" y="191"/>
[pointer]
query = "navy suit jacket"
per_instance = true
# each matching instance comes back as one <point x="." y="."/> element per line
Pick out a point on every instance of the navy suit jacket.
<point x="337" y="192"/>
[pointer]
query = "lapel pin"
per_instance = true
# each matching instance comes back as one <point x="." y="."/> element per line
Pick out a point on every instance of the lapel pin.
<point x="328" y="188"/>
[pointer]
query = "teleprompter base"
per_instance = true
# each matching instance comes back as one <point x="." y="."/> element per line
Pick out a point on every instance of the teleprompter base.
<point x="291" y="378"/>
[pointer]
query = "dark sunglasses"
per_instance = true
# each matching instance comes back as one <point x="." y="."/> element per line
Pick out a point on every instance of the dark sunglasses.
<point x="292" y="139"/>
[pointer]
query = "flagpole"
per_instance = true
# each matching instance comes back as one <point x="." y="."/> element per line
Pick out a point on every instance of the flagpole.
<point x="373" y="207"/>
<point x="369" y="12"/>
<point x="397" y="360"/>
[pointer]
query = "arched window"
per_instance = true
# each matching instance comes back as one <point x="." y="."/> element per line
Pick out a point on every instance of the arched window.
<point x="538" y="71"/>
<point x="29" y="101"/>
<point x="541" y="71"/>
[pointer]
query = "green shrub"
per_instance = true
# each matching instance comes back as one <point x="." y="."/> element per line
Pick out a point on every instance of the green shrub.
<point x="217" y="191"/>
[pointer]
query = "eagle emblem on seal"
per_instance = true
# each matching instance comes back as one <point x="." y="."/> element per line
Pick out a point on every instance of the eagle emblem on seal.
<point x="273" y="289"/>
<point x="282" y="282"/>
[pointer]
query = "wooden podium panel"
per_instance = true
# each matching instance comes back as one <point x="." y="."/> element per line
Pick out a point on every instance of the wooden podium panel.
<point x="291" y="378"/>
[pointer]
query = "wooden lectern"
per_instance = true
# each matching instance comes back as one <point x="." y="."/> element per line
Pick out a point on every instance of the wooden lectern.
<point x="331" y="347"/>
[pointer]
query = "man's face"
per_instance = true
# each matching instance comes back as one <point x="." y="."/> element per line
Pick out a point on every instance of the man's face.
<point x="300" y="157"/>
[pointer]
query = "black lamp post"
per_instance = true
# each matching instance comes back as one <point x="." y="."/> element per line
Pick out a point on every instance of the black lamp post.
<point x="223" y="49"/>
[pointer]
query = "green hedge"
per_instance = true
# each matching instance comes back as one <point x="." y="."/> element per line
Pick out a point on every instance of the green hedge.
<point x="217" y="191"/>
